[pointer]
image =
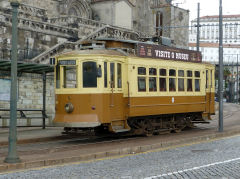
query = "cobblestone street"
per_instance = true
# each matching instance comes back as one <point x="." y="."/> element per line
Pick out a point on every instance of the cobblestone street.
<point x="212" y="159"/>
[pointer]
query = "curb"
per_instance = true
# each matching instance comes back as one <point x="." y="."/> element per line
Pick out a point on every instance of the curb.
<point x="117" y="152"/>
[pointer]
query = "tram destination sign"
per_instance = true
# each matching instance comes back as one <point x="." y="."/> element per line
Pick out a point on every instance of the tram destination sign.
<point x="167" y="53"/>
<point x="67" y="62"/>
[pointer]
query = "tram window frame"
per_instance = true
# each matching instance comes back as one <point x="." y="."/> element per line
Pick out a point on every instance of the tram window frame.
<point x="162" y="79"/>
<point x="141" y="79"/>
<point x="197" y="80"/>
<point x="119" y="75"/>
<point x="152" y="81"/>
<point x="189" y="81"/>
<point x="105" y="75"/>
<point x="68" y="83"/>
<point x="181" y="80"/>
<point x="172" y="80"/>
<point x="89" y="76"/>
<point x="112" y="75"/>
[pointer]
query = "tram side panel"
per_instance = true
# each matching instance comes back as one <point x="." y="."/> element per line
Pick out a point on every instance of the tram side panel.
<point x="157" y="103"/>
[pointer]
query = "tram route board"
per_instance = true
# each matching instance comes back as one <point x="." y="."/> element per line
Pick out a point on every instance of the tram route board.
<point x="167" y="53"/>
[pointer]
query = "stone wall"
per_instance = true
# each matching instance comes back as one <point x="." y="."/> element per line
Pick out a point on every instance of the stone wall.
<point x="30" y="91"/>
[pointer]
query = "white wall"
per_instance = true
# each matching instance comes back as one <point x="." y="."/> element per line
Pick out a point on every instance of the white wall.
<point x="123" y="15"/>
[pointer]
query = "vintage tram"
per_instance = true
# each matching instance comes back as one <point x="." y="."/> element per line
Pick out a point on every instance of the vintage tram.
<point x="130" y="86"/>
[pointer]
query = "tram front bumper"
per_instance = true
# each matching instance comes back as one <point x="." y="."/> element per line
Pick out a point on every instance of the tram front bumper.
<point x="78" y="120"/>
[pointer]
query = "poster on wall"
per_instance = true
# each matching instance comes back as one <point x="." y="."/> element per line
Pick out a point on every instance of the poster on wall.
<point x="5" y="88"/>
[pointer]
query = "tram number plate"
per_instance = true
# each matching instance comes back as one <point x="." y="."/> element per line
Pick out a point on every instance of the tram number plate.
<point x="67" y="62"/>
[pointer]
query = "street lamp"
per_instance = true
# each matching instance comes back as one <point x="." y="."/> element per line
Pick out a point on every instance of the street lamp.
<point x="12" y="140"/>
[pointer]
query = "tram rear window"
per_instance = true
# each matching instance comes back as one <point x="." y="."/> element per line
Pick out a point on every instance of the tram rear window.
<point x="89" y="74"/>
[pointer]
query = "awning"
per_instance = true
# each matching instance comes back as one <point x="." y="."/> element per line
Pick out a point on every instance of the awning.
<point x="24" y="67"/>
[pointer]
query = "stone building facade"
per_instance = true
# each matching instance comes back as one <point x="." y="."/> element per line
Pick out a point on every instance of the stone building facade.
<point x="47" y="25"/>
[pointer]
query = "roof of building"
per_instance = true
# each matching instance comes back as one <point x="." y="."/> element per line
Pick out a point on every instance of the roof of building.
<point x="214" y="45"/>
<point x="217" y="16"/>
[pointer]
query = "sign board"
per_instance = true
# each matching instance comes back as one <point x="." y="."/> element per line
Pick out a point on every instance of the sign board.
<point x="167" y="53"/>
<point x="67" y="62"/>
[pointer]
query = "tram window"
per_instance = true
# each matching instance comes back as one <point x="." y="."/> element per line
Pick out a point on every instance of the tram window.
<point x="89" y="74"/>
<point x="197" y="74"/>
<point x="70" y="77"/>
<point x="181" y="84"/>
<point x="152" y="71"/>
<point x="119" y="75"/>
<point x="141" y="71"/>
<point x="211" y="80"/>
<point x="112" y="73"/>
<point x="141" y="84"/>
<point x="181" y="73"/>
<point x="58" y="76"/>
<point x="172" y="84"/>
<point x="206" y="78"/>
<point x="105" y="75"/>
<point x="197" y="84"/>
<point x="162" y="84"/>
<point x="152" y="84"/>
<point x="163" y="72"/>
<point x="172" y="72"/>
<point x="189" y="73"/>
<point x="189" y="85"/>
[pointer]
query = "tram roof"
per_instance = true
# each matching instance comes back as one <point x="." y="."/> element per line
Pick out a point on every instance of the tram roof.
<point x="114" y="52"/>
<point x="24" y="67"/>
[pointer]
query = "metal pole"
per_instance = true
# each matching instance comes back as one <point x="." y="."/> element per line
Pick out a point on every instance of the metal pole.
<point x="220" y="75"/>
<point x="12" y="141"/>
<point x="198" y="25"/>
<point x="233" y="85"/>
<point x="237" y="82"/>
<point x="44" y="100"/>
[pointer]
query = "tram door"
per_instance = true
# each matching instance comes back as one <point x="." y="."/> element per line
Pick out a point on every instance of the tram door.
<point x="116" y="97"/>
<point x="209" y="91"/>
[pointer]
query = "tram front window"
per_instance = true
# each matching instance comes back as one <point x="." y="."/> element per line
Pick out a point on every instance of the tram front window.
<point x="89" y="74"/>
<point x="70" y="77"/>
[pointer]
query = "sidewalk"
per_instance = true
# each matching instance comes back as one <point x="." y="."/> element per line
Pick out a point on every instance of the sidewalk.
<point x="28" y="134"/>
<point x="203" y="133"/>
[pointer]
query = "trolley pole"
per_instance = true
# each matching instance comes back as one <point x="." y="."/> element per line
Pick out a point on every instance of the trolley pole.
<point x="220" y="75"/>
<point x="12" y="140"/>
<point x="198" y="26"/>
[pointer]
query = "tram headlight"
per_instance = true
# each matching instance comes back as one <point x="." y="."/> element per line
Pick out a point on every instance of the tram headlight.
<point x="69" y="107"/>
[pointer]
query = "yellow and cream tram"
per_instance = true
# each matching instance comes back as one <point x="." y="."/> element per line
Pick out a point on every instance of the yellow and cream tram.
<point x="148" y="90"/>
